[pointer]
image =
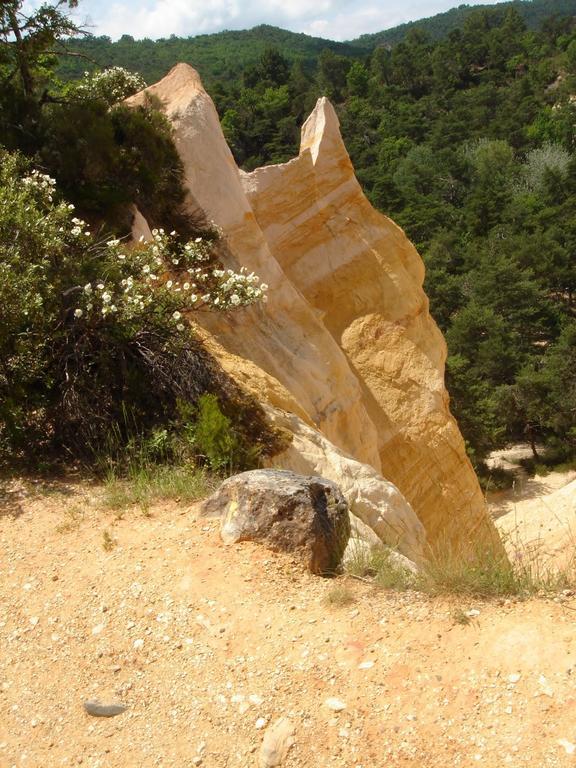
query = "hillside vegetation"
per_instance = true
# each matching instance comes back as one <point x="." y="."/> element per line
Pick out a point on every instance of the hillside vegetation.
<point x="535" y="13"/>
<point x="220" y="57"/>
<point x="223" y="56"/>
<point x="97" y="361"/>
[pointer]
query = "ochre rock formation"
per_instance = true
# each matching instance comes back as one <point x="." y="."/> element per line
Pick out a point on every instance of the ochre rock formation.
<point x="287" y="338"/>
<point x="346" y="333"/>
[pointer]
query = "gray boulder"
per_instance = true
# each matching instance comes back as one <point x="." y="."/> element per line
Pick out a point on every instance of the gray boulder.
<point x="306" y="515"/>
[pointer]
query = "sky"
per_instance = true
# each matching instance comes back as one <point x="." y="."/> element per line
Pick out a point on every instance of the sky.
<point x="332" y="19"/>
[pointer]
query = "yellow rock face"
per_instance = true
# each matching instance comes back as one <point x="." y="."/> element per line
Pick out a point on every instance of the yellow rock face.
<point x="346" y="334"/>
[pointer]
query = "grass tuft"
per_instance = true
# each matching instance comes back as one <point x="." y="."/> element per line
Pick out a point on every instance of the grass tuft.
<point x="480" y="572"/>
<point x="74" y="515"/>
<point x="143" y="485"/>
<point x="378" y="565"/>
<point x="339" y="596"/>
<point x="461" y="617"/>
<point x="108" y="543"/>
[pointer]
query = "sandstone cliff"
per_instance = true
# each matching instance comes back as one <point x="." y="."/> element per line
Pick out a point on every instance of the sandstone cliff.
<point x="346" y="341"/>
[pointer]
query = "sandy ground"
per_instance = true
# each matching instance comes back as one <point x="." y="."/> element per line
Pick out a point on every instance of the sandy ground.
<point x="208" y="645"/>
<point x="537" y="515"/>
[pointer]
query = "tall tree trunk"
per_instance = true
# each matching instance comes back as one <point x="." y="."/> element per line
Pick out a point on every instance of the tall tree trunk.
<point x="21" y="60"/>
<point x="530" y="435"/>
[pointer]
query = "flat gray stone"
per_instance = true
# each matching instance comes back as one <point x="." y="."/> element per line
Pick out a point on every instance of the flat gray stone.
<point x="97" y="709"/>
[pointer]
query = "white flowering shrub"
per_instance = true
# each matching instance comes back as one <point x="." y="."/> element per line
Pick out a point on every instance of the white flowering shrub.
<point x="111" y="85"/>
<point x="90" y="331"/>
<point x="179" y="277"/>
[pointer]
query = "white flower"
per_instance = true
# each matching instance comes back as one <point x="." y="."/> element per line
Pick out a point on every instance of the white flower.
<point x="112" y="243"/>
<point x="78" y="312"/>
<point x="106" y="297"/>
<point x="146" y="269"/>
<point x="180" y="327"/>
<point x="100" y="286"/>
<point x="176" y="315"/>
<point x="186" y="286"/>
<point x="198" y="240"/>
<point x="235" y="299"/>
<point x="169" y="284"/>
<point x="88" y="288"/>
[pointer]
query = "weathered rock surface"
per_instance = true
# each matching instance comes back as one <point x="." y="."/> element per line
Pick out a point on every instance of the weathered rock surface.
<point x="346" y="332"/>
<point x="306" y="515"/>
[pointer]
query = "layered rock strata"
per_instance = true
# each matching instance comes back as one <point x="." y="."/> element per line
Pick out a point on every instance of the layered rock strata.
<point x="346" y="340"/>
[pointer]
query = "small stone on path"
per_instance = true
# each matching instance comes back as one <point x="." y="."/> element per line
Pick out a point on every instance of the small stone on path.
<point x="96" y="709"/>
<point x="278" y="739"/>
<point x="568" y="746"/>
<point x="336" y="705"/>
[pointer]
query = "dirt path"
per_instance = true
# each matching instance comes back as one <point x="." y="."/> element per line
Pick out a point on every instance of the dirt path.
<point x="206" y="645"/>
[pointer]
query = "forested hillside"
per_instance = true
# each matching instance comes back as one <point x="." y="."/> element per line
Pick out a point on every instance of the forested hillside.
<point x="535" y="14"/>
<point x="467" y="141"/>
<point x="220" y="57"/>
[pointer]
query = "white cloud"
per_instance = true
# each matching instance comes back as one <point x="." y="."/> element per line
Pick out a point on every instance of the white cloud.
<point x="333" y="19"/>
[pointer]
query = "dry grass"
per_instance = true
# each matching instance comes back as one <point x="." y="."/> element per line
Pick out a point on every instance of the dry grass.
<point x="73" y="518"/>
<point x="461" y="617"/>
<point x="481" y="572"/>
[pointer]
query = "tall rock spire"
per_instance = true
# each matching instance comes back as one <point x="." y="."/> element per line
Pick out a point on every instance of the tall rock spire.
<point x="347" y="334"/>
